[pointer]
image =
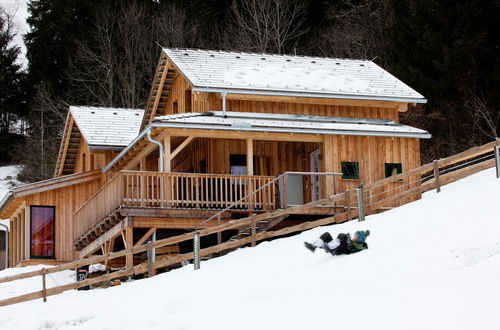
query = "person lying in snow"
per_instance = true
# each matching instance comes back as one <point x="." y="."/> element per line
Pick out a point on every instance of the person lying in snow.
<point x="343" y="244"/>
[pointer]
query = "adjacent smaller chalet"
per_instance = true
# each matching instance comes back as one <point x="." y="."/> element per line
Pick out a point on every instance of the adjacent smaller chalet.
<point x="219" y="131"/>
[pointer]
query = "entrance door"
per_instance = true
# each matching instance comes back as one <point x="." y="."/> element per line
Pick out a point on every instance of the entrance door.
<point x="315" y="180"/>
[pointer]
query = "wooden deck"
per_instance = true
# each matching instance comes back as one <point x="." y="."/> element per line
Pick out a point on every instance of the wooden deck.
<point x="183" y="196"/>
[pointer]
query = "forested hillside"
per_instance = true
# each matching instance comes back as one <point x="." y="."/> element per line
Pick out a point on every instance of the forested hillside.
<point x="103" y="52"/>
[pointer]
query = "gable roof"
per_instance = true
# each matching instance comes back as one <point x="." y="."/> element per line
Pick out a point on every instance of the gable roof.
<point x="102" y="128"/>
<point x="107" y="127"/>
<point x="330" y="77"/>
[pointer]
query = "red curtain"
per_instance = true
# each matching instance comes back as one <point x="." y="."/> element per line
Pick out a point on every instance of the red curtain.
<point x="42" y="231"/>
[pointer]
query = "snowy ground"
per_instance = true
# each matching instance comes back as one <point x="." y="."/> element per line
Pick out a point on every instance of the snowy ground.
<point x="432" y="264"/>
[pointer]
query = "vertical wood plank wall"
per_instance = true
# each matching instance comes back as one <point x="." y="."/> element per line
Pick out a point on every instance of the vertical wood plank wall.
<point x="88" y="160"/>
<point x="66" y="200"/>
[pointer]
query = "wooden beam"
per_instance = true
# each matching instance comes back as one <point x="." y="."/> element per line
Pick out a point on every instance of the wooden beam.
<point x="173" y="223"/>
<point x="145" y="236"/>
<point x="170" y="213"/>
<point x="239" y="135"/>
<point x="110" y="234"/>
<point x="67" y="136"/>
<point x="181" y="147"/>
<point x="129" y="243"/>
<point x="160" y="90"/>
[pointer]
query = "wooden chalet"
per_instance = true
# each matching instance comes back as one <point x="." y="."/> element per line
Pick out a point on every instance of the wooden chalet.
<point x="219" y="131"/>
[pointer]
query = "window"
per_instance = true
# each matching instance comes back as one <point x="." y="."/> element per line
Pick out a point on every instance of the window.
<point x="393" y="169"/>
<point x="42" y="241"/>
<point x="187" y="97"/>
<point x="350" y="170"/>
<point x="175" y="108"/>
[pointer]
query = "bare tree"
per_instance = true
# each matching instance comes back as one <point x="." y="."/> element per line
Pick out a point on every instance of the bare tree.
<point x="115" y="68"/>
<point x="485" y="119"/>
<point x="42" y="142"/>
<point x="267" y="25"/>
<point x="173" y="28"/>
<point x="357" y="30"/>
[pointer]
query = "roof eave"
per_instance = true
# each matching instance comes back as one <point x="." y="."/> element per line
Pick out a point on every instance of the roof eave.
<point x="207" y="89"/>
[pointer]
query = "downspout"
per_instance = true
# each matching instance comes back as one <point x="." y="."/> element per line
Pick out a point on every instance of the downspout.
<point x="224" y="94"/>
<point x="6" y="245"/>
<point x="160" y="146"/>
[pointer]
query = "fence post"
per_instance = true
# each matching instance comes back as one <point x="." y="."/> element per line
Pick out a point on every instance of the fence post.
<point x="254" y="230"/>
<point x="436" y="175"/>
<point x="196" y="250"/>
<point x="348" y="205"/>
<point x="150" y="253"/>
<point x="219" y="233"/>
<point x="44" y="285"/>
<point x="497" y="160"/>
<point x="361" y="207"/>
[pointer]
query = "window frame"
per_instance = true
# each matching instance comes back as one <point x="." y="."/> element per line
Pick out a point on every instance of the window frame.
<point x="32" y="256"/>
<point x="356" y="170"/>
<point x="399" y="167"/>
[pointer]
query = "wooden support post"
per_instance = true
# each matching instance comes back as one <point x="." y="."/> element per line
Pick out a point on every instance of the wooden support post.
<point x="129" y="243"/>
<point x="327" y="165"/>
<point x="219" y="233"/>
<point x="167" y="168"/>
<point x="151" y="270"/>
<point x="44" y="285"/>
<point x="436" y="175"/>
<point x="143" y="197"/>
<point x="348" y="205"/>
<point x="285" y="191"/>
<point x="254" y="230"/>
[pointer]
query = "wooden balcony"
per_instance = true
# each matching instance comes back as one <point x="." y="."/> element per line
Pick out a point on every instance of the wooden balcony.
<point x="175" y="191"/>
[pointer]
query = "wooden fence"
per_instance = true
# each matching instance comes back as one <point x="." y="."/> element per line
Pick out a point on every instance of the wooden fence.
<point x="412" y="183"/>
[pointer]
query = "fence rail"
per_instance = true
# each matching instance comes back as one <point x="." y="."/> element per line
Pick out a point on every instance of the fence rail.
<point x="411" y="186"/>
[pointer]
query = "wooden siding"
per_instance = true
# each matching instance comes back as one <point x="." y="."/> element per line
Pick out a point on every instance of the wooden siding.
<point x="314" y="109"/>
<point x="66" y="200"/>
<point x="89" y="160"/>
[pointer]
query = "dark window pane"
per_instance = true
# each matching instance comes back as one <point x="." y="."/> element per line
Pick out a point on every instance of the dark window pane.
<point x="350" y="170"/>
<point x="393" y="169"/>
<point x="42" y="231"/>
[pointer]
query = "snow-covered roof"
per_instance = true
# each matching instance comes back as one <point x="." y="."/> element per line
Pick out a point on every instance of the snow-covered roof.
<point x="282" y="123"/>
<point x="107" y="127"/>
<point x="327" y="77"/>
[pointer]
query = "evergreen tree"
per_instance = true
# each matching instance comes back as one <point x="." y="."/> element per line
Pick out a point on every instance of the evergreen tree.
<point x="12" y="94"/>
<point x="449" y="52"/>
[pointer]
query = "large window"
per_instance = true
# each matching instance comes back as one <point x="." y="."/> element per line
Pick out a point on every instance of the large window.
<point x="42" y="231"/>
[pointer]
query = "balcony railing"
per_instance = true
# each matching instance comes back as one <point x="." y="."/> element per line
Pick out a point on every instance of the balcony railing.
<point x="175" y="191"/>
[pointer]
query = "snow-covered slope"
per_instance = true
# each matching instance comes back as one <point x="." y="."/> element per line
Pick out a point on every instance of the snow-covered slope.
<point x="432" y="264"/>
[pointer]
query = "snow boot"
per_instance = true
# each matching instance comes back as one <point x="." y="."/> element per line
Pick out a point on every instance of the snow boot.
<point x="310" y="247"/>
